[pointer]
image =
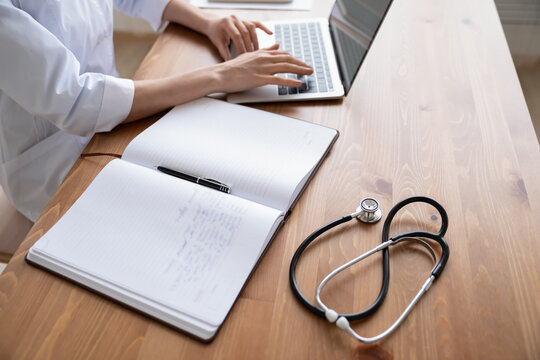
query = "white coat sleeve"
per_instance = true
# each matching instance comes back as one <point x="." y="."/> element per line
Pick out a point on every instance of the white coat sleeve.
<point x="41" y="75"/>
<point x="150" y="10"/>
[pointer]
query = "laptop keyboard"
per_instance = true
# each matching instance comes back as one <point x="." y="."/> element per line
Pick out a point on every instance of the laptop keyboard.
<point x="304" y="42"/>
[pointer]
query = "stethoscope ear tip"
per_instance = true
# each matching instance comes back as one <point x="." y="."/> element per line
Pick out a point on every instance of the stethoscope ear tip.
<point x="331" y="315"/>
<point x="343" y="323"/>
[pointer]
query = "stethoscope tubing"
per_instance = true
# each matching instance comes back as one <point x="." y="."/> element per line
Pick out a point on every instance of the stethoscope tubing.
<point x="342" y="320"/>
<point x="320" y="312"/>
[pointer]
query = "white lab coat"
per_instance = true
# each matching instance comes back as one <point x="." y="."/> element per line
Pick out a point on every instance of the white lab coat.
<point x="57" y="88"/>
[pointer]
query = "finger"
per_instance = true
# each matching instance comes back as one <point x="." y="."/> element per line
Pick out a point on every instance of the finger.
<point x="280" y="58"/>
<point x="288" y="68"/>
<point x="245" y="34"/>
<point x="235" y="36"/>
<point x="253" y="33"/>
<point x="262" y="27"/>
<point x="273" y="47"/>
<point x="223" y="48"/>
<point x="278" y="80"/>
<point x="278" y="52"/>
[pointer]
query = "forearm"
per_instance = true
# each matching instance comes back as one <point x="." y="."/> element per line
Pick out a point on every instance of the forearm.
<point x="153" y="96"/>
<point x="182" y="12"/>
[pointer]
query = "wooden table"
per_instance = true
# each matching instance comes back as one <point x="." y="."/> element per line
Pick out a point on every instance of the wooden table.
<point x="437" y="110"/>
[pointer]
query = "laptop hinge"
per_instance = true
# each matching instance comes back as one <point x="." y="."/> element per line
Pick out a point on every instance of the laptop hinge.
<point x="333" y="41"/>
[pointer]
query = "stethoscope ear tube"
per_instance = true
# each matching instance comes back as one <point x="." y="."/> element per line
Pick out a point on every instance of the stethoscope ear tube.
<point x="438" y="237"/>
<point x="445" y="250"/>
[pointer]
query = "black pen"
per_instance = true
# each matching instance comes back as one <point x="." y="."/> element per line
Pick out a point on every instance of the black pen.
<point x="213" y="184"/>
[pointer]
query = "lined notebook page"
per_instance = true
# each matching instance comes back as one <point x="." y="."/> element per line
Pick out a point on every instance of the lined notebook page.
<point x="262" y="156"/>
<point x="164" y="239"/>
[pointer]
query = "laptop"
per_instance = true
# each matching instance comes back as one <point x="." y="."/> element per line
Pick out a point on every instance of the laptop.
<point x="334" y="47"/>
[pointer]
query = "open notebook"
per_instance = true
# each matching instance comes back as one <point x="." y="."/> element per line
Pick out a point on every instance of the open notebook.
<point x="173" y="249"/>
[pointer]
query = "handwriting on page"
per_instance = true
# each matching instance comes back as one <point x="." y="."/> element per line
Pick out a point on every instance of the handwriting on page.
<point x="204" y="237"/>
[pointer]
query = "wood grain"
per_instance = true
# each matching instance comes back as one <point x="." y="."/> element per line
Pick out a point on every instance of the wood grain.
<point x="13" y="228"/>
<point x="436" y="110"/>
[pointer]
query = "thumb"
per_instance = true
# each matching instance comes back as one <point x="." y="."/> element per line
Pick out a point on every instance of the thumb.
<point x="224" y="51"/>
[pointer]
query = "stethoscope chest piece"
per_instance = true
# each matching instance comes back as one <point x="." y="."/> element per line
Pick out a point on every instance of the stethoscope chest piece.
<point x="369" y="211"/>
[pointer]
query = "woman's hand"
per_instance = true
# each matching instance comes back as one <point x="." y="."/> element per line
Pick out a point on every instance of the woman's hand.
<point x="222" y="30"/>
<point x="249" y="70"/>
<point x="258" y="68"/>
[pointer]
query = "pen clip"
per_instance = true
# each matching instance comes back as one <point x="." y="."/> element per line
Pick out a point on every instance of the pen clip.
<point x="220" y="186"/>
<point x="214" y="181"/>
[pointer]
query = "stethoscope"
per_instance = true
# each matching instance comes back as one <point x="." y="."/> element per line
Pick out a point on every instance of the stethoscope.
<point x="369" y="212"/>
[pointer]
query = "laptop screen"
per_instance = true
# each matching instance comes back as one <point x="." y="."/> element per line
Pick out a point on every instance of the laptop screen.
<point x="354" y="24"/>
